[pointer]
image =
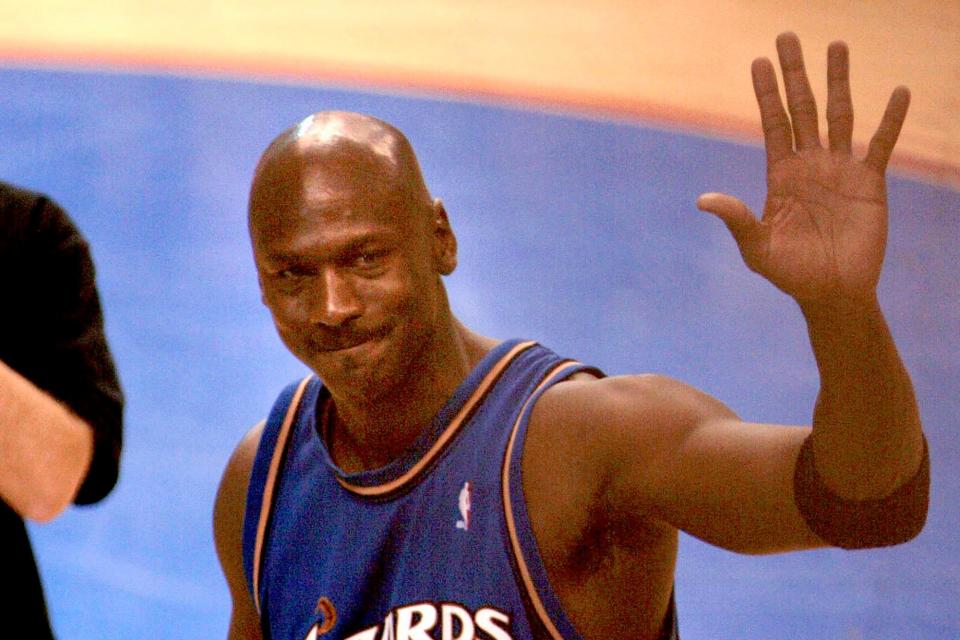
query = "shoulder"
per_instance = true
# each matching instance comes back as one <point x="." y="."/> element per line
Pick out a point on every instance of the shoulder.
<point x="14" y="198"/>
<point x="34" y="214"/>
<point x="18" y="208"/>
<point x="230" y="505"/>
<point x="228" y="514"/>
<point x="589" y="437"/>
<point x="38" y="235"/>
<point x="595" y="409"/>
<point x="596" y="429"/>
<point x="231" y="499"/>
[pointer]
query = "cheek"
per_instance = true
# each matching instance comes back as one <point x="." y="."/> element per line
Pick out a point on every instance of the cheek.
<point x="417" y="317"/>
<point x="412" y="297"/>
<point x="292" y="333"/>
<point x="287" y="311"/>
<point x="387" y="294"/>
<point x="290" y="318"/>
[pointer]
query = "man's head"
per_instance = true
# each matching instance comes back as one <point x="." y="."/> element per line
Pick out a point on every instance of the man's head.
<point x="350" y="248"/>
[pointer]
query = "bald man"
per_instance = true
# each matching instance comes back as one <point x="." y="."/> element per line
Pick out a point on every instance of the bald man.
<point x="430" y="482"/>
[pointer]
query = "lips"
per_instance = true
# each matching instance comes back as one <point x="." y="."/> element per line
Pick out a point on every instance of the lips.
<point x="332" y="346"/>
<point x="334" y="342"/>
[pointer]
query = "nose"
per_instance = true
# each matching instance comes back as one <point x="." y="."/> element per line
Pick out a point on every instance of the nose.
<point x="335" y="301"/>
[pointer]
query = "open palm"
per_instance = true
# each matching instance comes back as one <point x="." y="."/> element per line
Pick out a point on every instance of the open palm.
<point x="823" y="231"/>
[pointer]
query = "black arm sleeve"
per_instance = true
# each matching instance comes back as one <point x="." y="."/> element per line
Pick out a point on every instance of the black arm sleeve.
<point x="51" y="331"/>
<point x="859" y="524"/>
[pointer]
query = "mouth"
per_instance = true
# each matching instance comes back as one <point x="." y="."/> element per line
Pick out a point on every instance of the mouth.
<point x="340" y="348"/>
<point x="333" y="345"/>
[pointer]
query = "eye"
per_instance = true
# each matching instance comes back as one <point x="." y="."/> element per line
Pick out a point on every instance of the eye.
<point x="284" y="275"/>
<point x="370" y="260"/>
<point x="288" y="280"/>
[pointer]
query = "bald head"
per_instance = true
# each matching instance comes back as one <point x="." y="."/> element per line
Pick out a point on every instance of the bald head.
<point x="331" y="157"/>
<point x="350" y="250"/>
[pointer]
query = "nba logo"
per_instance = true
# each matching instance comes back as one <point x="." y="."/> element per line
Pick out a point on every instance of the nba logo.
<point x="464" y="504"/>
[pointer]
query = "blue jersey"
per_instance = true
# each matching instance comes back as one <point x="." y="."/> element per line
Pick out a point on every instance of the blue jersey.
<point x="435" y="545"/>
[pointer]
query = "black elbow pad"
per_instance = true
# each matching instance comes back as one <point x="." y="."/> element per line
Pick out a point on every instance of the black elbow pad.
<point x="860" y="524"/>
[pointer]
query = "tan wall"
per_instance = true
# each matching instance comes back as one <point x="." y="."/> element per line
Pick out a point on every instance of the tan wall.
<point x="681" y="63"/>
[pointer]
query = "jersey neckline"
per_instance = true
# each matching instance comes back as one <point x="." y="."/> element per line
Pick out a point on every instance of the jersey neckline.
<point x="401" y="472"/>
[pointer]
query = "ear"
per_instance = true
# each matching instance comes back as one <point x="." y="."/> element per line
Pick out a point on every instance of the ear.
<point x="444" y="241"/>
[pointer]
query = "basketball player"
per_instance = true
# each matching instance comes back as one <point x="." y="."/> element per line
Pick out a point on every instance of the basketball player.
<point x="442" y="484"/>
<point x="60" y="401"/>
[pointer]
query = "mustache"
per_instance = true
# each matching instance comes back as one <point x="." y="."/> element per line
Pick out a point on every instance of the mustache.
<point x="328" y="340"/>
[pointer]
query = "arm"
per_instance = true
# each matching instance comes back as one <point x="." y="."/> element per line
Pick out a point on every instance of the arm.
<point x="228" y="514"/>
<point x="640" y="453"/>
<point x="654" y="454"/>
<point x="821" y="240"/>
<point x="60" y="400"/>
<point x="653" y="451"/>
<point x="46" y="449"/>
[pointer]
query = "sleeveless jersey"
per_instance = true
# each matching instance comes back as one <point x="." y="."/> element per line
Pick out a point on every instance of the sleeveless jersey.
<point x="435" y="545"/>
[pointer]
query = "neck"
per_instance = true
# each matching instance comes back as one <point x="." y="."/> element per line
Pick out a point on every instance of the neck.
<point x="369" y="432"/>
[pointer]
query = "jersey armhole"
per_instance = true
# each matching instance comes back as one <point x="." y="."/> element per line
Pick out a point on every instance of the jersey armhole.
<point x="544" y="608"/>
<point x="263" y="478"/>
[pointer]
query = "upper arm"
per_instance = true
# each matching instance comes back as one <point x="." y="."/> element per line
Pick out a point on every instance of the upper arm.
<point x="228" y="515"/>
<point x="656" y="450"/>
<point x="87" y="381"/>
<point x="63" y="348"/>
<point x="62" y="400"/>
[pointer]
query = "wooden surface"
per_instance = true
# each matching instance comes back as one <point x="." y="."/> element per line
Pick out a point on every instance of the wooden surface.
<point x="682" y="64"/>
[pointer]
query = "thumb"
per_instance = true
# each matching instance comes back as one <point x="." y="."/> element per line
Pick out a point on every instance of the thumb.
<point x="733" y="212"/>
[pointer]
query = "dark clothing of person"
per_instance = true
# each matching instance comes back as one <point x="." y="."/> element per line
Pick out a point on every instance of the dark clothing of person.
<point x="51" y="333"/>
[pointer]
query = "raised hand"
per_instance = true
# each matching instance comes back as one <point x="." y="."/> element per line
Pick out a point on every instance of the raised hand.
<point x="823" y="231"/>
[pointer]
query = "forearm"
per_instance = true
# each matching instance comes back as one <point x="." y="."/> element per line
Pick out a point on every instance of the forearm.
<point x="45" y="449"/>
<point x="867" y="437"/>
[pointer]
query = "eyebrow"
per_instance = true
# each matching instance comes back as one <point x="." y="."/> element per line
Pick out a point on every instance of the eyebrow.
<point x="336" y="248"/>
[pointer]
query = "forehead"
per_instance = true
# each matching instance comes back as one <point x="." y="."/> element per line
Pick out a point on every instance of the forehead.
<point x="297" y="203"/>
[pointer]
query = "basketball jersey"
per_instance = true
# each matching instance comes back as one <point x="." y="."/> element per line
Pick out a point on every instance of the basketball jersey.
<point x="435" y="545"/>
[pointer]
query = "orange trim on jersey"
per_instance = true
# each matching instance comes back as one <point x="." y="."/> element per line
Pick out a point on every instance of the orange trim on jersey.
<point x="508" y="504"/>
<point x="266" y="506"/>
<point x="447" y="435"/>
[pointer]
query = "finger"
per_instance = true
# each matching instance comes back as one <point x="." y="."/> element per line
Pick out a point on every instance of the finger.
<point x="733" y="212"/>
<point x="777" y="137"/>
<point x="839" y="105"/>
<point x="883" y="141"/>
<point x="800" y="102"/>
